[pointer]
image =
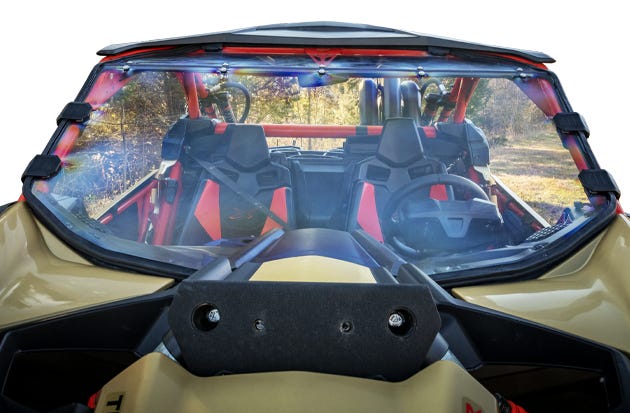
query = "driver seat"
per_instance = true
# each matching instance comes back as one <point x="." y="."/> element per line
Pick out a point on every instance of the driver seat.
<point x="399" y="159"/>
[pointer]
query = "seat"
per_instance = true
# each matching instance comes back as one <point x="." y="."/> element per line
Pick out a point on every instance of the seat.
<point x="399" y="159"/>
<point x="243" y="195"/>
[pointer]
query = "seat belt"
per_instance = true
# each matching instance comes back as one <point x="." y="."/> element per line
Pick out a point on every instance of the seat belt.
<point x="224" y="179"/>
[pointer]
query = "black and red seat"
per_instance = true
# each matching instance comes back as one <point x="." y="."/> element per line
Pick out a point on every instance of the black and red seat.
<point x="399" y="160"/>
<point x="412" y="203"/>
<point x="243" y="195"/>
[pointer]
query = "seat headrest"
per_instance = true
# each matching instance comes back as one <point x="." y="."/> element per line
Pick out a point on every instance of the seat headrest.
<point x="400" y="143"/>
<point x="182" y="132"/>
<point x="247" y="148"/>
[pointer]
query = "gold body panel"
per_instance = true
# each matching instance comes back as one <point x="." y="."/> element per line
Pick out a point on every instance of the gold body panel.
<point x="587" y="295"/>
<point x="313" y="268"/>
<point x="41" y="277"/>
<point x="156" y="384"/>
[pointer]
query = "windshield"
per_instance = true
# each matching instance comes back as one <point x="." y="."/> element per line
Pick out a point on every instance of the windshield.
<point x="449" y="163"/>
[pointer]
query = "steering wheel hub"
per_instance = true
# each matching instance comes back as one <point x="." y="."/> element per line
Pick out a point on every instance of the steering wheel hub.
<point x="413" y="223"/>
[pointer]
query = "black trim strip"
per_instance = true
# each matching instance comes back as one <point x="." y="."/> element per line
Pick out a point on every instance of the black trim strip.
<point x="5" y="207"/>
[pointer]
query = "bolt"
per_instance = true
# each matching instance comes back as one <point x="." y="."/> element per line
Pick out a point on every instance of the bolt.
<point x="213" y="316"/>
<point x="259" y="325"/>
<point x="396" y="320"/>
<point x="321" y="71"/>
<point x="345" y="327"/>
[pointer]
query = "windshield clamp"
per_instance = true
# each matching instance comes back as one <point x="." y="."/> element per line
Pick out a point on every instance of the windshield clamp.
<point x="78" y="112"/>
<point x="599" y="182"/>
<point x="571" y="123"/>
<point x="42" y="167"/>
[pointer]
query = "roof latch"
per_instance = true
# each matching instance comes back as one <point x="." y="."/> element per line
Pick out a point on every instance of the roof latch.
<point x="78" y="112"/>
<point x="42" y="167"/>
<point x="571" y="123"/>
<point x="598" y="182"/>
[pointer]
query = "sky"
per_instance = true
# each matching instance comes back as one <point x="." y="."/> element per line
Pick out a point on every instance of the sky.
<point x="49" y="49"/>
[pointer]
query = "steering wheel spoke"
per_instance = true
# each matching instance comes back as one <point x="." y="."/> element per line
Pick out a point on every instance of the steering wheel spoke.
<point x="414" y="222"/>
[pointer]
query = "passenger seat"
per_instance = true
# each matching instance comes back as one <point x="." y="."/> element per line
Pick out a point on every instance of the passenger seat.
<point x="243" y="195"/>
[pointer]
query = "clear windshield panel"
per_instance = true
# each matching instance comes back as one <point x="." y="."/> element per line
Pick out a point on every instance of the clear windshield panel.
<point x="450" y="172"/>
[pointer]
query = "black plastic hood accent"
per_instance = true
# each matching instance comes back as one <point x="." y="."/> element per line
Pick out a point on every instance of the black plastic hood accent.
<point x="245" y="327"/>
<point x="326" y="34"/>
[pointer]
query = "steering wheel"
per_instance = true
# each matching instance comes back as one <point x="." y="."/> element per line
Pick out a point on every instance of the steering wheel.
<point x="451" y="210"/>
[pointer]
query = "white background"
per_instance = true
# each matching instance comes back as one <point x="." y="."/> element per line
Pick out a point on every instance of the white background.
<point x="48" y="50"/>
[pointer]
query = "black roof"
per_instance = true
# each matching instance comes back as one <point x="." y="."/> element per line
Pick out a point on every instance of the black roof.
<point x="325" y="34"/>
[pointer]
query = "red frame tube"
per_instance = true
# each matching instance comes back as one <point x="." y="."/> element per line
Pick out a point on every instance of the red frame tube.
<point x="322" y="51"/>
<point x="279" y="130"/>
<point x="466" y="90"/>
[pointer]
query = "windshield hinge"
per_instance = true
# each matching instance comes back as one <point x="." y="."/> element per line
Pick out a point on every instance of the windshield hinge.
<point x="213" y="47"/>
<point x="571" y="123"/>
<point x="42" y="167"/>
<point x="438" y="51"/>
<point x="78" y="112"/>
<point x="598" y="182"/>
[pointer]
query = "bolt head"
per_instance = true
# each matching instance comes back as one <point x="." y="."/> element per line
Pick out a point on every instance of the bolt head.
<point x="396" y="320"/>
<point x="214" y="316"/>
<point x="259" y="325"/>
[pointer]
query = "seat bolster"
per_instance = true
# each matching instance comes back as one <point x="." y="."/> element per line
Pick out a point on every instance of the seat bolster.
<point x="207" y="211"/>
<point x="280" y="205"/>
<point x="367" y="212"/>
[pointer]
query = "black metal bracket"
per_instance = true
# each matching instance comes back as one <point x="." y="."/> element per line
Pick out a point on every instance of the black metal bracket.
<point x="599" y="182"/>
<point x="75" y="112"/>
<point x="42" y="167"/>
<point x="570" y="123"/>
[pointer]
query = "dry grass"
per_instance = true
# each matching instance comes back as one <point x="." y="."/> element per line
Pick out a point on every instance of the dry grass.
<point x="540" y="171"/>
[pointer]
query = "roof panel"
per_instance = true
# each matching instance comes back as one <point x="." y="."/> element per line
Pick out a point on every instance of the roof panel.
<point x="326" y="34"/>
